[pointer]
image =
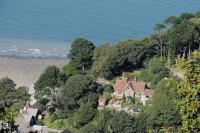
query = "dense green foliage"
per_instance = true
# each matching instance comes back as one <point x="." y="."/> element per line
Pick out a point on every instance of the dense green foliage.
<point x="81" y="53"/>
<point x="189" y="95"/>
<point x="77" y="102"/>
<point x="111" y="61"/>
<point x="108" y="88"/>
<point x="177" y="35"/>
<point x="115" y="122"/>
<point x="10" y="97"/>
<point x="79" y="89"/>
<point x="174" y="106"/>
<point x="7" y="87"/>
<point x="121" y="122"/>
<point x="84" y="115"/>
<point x="106" y="121"/>
<point x="67" y="71"/>
<point x="155" y="71"/>
<point x="163" y="113"/>
<point x="11" y="100"/>
<point x="47" y="81"/>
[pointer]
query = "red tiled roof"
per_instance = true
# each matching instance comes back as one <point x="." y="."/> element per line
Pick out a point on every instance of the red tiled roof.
<point x="137" y="86"/>
<point x="120" y="85"/>
<point x="141" y="88"/>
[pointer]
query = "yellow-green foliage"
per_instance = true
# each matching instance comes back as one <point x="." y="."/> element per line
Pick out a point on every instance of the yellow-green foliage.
<point x="196" y="54"/>
<point x="195" y="21"/>
<point x="9" y="116"/>
<point x="189" y="95"/>
<point x="180" y="63"/>
<point x="47" y="121"/>
<point x="59" y="123"/>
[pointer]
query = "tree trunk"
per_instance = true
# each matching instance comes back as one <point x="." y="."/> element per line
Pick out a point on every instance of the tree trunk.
<point x="169" y="53"/>
<point x="161" y="51"/>
<point x="169" y="60"/>
<point x="184" y="53"/>
<point x="189" y="53"/>
<point x="161" y="45"/>
<point x="83" y="68"/>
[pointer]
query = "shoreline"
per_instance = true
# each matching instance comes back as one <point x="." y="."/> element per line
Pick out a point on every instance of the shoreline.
<point x="26" y="70"/>
<point x="33" y="57"/>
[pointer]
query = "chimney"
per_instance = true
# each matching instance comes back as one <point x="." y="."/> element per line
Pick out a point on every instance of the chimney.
<point x="135" y="79"/>
<point x="20" y="111"/>
<point x="126" y="79"/>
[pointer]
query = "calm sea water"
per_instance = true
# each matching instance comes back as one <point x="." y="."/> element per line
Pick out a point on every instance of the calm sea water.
<point x="47" y="27"/>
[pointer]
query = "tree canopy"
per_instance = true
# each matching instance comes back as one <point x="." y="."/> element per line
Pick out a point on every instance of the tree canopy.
<point x="189" y="94"/>
<point x="163" y="113"/>
<point x="175" y="102"/>
<point x="79" y="89"/>
<point x="111" y="61"/>
<point x="81" y="53"/>
<point x="7" y="87"/>
<point x="47" y="81"/>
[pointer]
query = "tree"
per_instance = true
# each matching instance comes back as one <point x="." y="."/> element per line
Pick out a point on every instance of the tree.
<point x="66" y="72"/>
<point x="101" y="119"/>
<point x="103" y="66"/>
<point x="84" y="115"/>
<point x="163" y="113"/>
<point x="7" y="86"/>
<point x="89" y="128"/>
<point x="108" y="88"/>
<point x="21" y="93"/>
<point x="79" y="89"/>
<point x="126" y="56"/>
<point x="169" y="22"/>
<point x="79" y="99"/>
<point x="81" y="54"/>
<point x="155" y="71"/>
<point x="47" y="81"/>
<point x="159" y="28"/>
<point x="141" y="123"/>
<point x="186" y="16"/>
<point x="69" y="70"/>
<point x="121" y="122"/>
<point x="11" y="100"/>
<point x="9" y="117"/>
<point x="189" y="95"/>
<point x="184" y="37"/>
<point x="19" y="98"/>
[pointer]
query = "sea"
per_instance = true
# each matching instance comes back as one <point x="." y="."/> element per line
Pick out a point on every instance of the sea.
<point x="46" y="28"/>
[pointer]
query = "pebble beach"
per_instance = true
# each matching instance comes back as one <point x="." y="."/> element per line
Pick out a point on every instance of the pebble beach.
<point x="25" y="71"/>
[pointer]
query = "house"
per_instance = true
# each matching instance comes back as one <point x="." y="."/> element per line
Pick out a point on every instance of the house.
<point x="102" y="101"/>
<point x="38" y="129"/>
<point x="139" y="89"/>
<point x="115" y="103"/>
<point x="29" y="114"/>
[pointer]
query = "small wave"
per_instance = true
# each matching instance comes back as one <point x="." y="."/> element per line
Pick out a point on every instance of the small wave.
<point x="13" y="46"/>
<point x="9" y="50"/>
<point x="34" y="50"/>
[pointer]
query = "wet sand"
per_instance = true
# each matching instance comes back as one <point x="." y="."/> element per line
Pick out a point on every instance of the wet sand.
<point x="25" y="71"/>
